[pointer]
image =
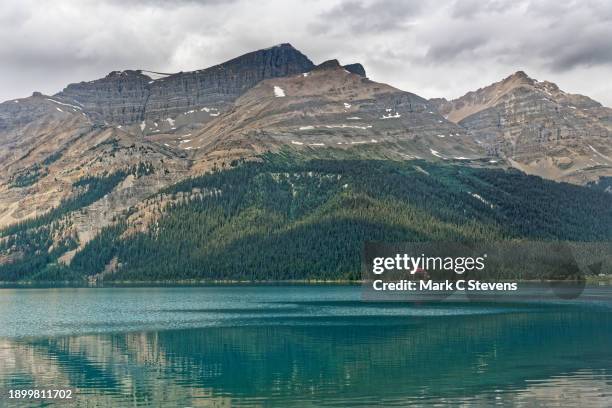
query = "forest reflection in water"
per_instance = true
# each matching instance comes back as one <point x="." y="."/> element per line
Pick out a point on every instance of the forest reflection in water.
<point x="547" y="355"/>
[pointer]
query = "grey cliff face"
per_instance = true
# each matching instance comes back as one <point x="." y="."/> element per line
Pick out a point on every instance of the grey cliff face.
<point x="131" y="96"/>
<point x="120" y="97"/>
<point x="527" y="125"/>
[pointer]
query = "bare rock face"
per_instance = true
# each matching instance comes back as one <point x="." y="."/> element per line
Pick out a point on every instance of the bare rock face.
<point x="120" y="97"/>
<point x="220" y="85"/>
<point x="330" y="110"/>
<point x="131" y="96"/>
<point x="537" y="127"/>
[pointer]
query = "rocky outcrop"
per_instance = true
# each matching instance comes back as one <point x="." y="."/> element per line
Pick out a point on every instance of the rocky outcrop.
<point x="356" y="69"/>
<point x="131" y="96"/>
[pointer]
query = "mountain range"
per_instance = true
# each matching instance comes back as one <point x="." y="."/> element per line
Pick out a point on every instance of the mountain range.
<point x="110" y="152"/>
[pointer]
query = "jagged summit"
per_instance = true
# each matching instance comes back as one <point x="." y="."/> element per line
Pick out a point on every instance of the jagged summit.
<point x="329" y="64"/>
<point x="519" y="78"/>
<point x="281" y="45"/>
<point x="333" y="64"/>
<point x="520" y="75"/>
<point x="483" y="98"/>
<point x="356" y="68"/>
<point x="281" y="55"/>
<point x="537" y="127"/>
<point x="149" y="98"/>
<point x="125" y="97"/>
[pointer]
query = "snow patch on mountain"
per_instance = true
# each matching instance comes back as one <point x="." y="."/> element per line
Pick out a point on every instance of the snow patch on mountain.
<point x="279" y="92"/>
<point x="391" y="115"/>
<point x="65" y="104"/>
<point x="437" y="154"/>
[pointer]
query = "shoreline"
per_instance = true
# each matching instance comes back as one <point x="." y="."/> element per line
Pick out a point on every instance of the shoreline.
<point x="590" y="280"/>
<point x="174" y="283"/>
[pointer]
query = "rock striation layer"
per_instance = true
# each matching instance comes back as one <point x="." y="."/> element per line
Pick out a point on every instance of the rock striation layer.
<point x="332" y="111"/>
<point x="537" y="127"/>
<point x="124" y="97"/>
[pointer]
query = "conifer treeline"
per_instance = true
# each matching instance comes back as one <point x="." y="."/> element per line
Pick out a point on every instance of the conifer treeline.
<point x="289" y="219"/>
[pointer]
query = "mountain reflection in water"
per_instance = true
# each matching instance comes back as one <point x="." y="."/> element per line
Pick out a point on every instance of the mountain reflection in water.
<point x="535" y="355"/>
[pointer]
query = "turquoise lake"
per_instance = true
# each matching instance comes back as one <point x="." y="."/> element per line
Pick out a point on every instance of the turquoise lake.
<point x="301" y="346"/>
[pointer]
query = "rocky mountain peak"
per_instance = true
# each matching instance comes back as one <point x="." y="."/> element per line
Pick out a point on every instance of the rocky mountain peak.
<point x="282" y="45"/>
<point x="483" y="98"/>
<point x="517" y="79"/>
<point x="279" y="57"/>
<point x="127" y="97"/>
<point x="329" y="64"/>
<point x="334" y="64"/>
<point x="520" y="76"/>
<point x="538" y="127"/>
<point x="356" y="68"/>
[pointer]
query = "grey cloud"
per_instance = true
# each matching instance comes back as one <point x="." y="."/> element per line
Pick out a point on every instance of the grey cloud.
<point x="169" y="3"/>
<point x="361" y="17"/>
<point x="574" y="37"/>
<point x="441" y="48"/>
<point x="472" y="8"/>
<point x="464" y="45"/>
<point x="585" y="50"/>
<point x="597" y="9"/>
<point x="557" y="35"/>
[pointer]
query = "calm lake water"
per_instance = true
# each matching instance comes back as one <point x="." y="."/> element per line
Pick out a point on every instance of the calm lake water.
<point x="301" y="346"/>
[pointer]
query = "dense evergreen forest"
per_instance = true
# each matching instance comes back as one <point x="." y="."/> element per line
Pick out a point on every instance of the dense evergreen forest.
<point x="287" y="218"/>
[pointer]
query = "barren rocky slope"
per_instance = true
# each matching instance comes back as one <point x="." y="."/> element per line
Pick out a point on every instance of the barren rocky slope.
<point x="330" y="110"/>
<point x="48" y="145"/>
<point x="538" y="128"/>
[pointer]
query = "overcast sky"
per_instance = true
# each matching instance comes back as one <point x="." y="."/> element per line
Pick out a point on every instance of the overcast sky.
<point x="435" y="48"/>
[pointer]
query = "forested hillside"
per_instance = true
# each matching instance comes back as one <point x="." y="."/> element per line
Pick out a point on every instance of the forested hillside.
<point x="287" y="218"/>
